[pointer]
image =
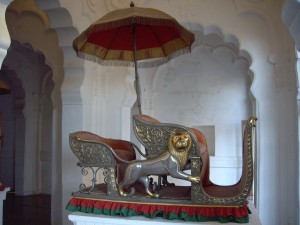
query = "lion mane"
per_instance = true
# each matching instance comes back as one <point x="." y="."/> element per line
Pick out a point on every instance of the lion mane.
<point x="179" y="147"/>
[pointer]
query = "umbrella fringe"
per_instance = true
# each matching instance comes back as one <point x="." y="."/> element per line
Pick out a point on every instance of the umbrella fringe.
<point x="141" y="64"/>
<point x="160" y="61"/>
<point x="105" y="62"/>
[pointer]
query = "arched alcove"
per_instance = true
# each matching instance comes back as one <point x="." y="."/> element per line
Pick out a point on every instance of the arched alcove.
<point x="31" y="123"/>
<point x="29" y="22"/>
<point x="10" y="106"/>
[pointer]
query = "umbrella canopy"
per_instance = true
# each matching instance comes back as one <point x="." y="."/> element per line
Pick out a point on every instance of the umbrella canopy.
<point x="140" y="37"/>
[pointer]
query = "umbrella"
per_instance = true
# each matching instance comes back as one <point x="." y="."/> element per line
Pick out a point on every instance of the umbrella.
<point x="135" y="36"/>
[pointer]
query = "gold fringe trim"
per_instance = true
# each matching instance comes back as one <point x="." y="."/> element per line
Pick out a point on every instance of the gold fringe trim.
<point x="145" y="58"/>
<point x="147" y="63"/>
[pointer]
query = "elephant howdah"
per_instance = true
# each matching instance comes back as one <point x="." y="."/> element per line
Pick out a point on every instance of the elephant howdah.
<point x="170" y="150"/>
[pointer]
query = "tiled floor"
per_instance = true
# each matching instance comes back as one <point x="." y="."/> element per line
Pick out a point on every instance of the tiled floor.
<point x="27" y="210"/>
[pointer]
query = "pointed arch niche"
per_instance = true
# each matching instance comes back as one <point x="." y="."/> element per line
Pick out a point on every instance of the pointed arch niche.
<point x="48" y="28"/>
<point x="210" y="89"/>
<point x="29" y="121"/>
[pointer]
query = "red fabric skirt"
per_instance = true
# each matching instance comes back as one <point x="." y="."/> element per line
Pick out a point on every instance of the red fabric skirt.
<point x="165" y="210"/>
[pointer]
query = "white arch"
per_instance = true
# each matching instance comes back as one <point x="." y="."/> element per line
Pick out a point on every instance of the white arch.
<point x="55" y="24"/>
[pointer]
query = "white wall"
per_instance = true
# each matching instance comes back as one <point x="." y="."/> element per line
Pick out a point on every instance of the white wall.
<point x="259" y="31"/>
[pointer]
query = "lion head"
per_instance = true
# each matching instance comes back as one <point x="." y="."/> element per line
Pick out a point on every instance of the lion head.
<point x="179" y="147"/>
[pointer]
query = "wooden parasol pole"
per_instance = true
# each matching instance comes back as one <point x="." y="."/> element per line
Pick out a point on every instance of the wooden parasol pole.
<point x="137" y="80"/>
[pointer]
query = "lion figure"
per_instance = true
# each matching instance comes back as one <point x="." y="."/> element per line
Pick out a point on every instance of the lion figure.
<point x="170" y="162"/>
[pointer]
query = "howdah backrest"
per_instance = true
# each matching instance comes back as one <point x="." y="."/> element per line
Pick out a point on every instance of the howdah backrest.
<point x="96" y="154"/>
<point x="91" y="151"/>
<point x="154" y="135"/>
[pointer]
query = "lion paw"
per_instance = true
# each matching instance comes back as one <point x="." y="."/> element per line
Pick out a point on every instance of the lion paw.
<point x="194" y="180"/>
<point x="125" y="194"/>
<point x="153" y="195"/>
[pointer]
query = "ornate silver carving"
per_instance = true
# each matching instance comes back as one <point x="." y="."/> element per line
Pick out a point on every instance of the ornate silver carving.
<point x="94" y="156"/>
<point x="155" y="136"/>
<point x="171" y="162"/>
<point x="110" y="179"/>
<point x="91" y="153"/>
<point x="199" y="195"/>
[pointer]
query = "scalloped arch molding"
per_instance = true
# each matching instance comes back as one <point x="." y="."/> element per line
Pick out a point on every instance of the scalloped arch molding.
<point x="48" y="28"/>
<point x="201" y="80"/>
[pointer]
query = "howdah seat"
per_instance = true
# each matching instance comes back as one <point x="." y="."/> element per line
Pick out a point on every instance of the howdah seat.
<point x="153" y="135"/>
<point x="95" y="153"/>
<point x="127" y="187"/>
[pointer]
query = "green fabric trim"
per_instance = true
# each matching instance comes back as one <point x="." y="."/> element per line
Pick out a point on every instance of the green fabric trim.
<point x="197" y="218"/>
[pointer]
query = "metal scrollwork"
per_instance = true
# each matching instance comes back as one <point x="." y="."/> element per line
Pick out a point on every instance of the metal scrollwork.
<point x="85" y="171"/>
<point x="201" y="197"/>
<point x="94" y="156"/>
<point x="110" y="179"/>
<point x="91" y="153"/>
<point x="155" y="137"/>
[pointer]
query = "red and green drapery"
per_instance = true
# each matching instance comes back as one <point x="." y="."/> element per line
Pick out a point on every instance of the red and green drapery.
<point x="193" y="213"/>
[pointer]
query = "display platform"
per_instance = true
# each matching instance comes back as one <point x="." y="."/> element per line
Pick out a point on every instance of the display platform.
<point x="180" y="208"/>
<point x="78" y="218"/>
